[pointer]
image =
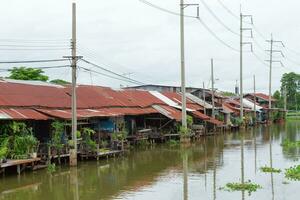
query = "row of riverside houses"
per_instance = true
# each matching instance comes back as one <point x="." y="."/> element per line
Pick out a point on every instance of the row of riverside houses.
<point x="108" y="119"/>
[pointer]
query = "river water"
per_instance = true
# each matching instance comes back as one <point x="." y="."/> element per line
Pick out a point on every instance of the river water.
<point x="162" y="172"/>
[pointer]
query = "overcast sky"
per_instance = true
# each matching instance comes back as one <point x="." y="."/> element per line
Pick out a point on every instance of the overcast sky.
<point x="127" y="36"/>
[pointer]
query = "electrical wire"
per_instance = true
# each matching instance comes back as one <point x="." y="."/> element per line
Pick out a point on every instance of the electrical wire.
<point x="34" y="49"/>
<point x="114" y="73"/>
<point x="32" y="61"/>
<point x="218" y="19"/>
<point x="163" y="9"/>
<point x="91" y="54"/>
<point x="198" y="19"/>
<point x="49" y="67"/>
<point x="216" y="36"/>
<point x="109" y="76"/>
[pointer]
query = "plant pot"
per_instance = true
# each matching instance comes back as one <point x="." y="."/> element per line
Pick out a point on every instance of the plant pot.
<point x="33" y="155"/>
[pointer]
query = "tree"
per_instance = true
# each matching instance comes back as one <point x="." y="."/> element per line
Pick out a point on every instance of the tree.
<point x="279" y="99"/>
<point x="291" y="83"/>
<point x="27" y="73"/>
<point x="60" y="82"/>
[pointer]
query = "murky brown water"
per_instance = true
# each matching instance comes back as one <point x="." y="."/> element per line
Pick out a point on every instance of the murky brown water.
<point x="162" y="172"/>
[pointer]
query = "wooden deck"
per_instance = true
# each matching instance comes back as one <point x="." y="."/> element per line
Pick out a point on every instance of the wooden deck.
<point x="20" y="164"/>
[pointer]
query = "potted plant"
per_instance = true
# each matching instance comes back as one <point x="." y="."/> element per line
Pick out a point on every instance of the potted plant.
<point x="32" y="144"/>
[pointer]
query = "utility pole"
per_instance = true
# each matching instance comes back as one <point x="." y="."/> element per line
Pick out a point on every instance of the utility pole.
<point x="254" y="90"/>
<point x="182" y="53"/>
<point x="184" y="122"/>
<point x="203" y="96"/>
<point x="271" y="61"/>
<point x="212" y="87"/>
<point x="242" y="43"/>
<point x="74" y="58"/>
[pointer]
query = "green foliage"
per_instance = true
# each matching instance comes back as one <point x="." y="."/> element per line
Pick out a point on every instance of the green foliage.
<point x="104" y="143"/>
<point x="293" y="173"/>
<point x="227" y="94"/>
<point x="248" y="186"/>
<point x="23" y="146"/>
<point x="57" y="133"/>
<point x="18" y="140"/>
<point x="286" y="144"/>
<point x="51" y="168"/>
<point x="237" y="121"/>
<point x="60" y="82"/>
<point x="184" y="131"/>
<point x="189" y="121"/>
<point x="269" y="170"/>
<point x="24" y="73"/>
<point x="220" y="118"/>
<point x="3" y="152"/>
<point x="172" y="143"/>
<point x="291" y="82"/>
<point x="119" y="136"/>
<point x="87" y="134"/>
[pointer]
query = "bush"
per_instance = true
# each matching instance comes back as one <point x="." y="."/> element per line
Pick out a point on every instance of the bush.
<point x="293" y="173"/>
<point x="51" y="168"/>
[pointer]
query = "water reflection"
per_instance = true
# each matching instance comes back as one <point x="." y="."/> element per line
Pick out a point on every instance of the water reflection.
<point x="163" y="172"/>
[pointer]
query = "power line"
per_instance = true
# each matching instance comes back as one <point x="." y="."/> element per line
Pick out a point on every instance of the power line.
<point x="218" y="19"/>
<point x="49" y="67"/>
<point x="56" y="49"/>
<point x="163" y="9"/>
<point x="92" y="54"/>
<point x="109" y="71"/>
<point x="109" y="76"/>
<point x="32" y="61"/>
<point x="198" y="18"/>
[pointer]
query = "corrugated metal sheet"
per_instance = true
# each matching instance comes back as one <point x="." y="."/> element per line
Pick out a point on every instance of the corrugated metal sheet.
<point x="199" y="101"/>
<point x="200" y="115"/>
<point x="21" y="114"/>
<point x="26" y="95"/>
<point x="105" y="112"/>
<point x="176" y="97"/>
<point x="168" y="111"/>
<point x="215" y="122"/>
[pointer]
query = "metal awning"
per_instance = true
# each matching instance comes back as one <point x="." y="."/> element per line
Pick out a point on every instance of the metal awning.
<point x="200" y="115"/>
<point x="21" y="114"/>
<point x="168" y="111"/>
<point x="105" y="112"/>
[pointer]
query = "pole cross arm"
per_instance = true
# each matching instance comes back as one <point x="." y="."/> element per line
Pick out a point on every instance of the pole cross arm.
<point x="248" y="16"/>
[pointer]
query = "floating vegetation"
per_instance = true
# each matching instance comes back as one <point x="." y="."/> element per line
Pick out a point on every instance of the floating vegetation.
<point x="270" y="170"/>
<point x="173" y="143"/>
<point x="289" y="144"/>
<point x="293" y="173"/>
<point x="51" y="168"/>
<point x="247" y="186"/>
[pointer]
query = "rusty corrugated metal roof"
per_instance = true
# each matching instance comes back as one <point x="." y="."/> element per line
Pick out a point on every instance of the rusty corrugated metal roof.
<point x="21" y="114"/>
<point x="104" y="112"/>
<point x="168" y="111"/>
<point x="26" y="95"/>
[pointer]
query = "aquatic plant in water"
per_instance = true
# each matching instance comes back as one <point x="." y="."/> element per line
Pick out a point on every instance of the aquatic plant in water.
<point x="51" y="168"/>
<point x="289" y="144"/>
<point x="270" y="170"/>
<point x="247" y="186"/>
<point x="293" y="173"/>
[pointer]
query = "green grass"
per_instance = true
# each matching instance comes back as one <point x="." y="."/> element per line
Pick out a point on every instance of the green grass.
<point x="293" y="173"/>
<point x="248" y="187"/>
<point x="269" y="170"/>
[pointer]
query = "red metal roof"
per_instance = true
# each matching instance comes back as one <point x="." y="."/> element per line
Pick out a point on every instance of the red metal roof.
<point x="200" y="115"/>
<point x="21" y="114"/>
<point x="215" y="121"/>
<point x="105" y="112"/>
<point x="26" y="95"/>
<point x="142" y="98"/>
<point x="177" y="98"/>
<point x="262" y="96"/>
<point x="168" y="111"/>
